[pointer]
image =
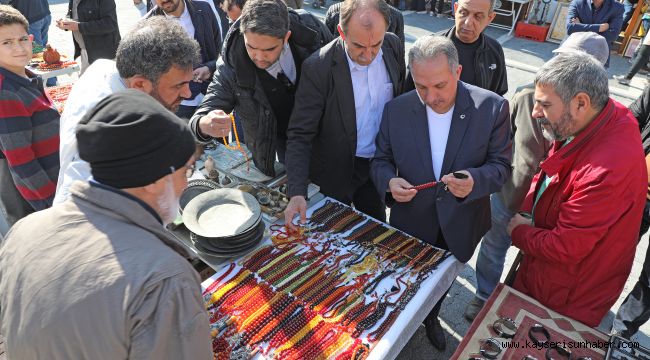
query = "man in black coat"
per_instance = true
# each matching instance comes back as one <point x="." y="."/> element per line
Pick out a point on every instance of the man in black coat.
<point x="257" y="76"/>
<point x="445" y="131"/>
<point x="481" y="56"/>
<point x="199" y="21"/>
<point x="95" y="32"/>
<point x="396" y="25"/>
<point x="338" y="108"/>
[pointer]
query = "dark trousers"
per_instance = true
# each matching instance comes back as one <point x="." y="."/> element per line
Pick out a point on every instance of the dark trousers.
<point x="635" y="310"/>
<point x="441" y="244"/>
<point x="365" y="197"/>
<point x="15" y="206"/>
<point x="639" y="61"/>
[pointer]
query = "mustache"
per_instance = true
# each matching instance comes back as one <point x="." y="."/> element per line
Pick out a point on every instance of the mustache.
<point x="543" y="121"/>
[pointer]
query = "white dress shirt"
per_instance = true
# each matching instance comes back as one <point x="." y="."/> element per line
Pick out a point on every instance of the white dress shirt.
<point x="439" y="125"/>
<point x="372" y="90"/>
<point x="100" y="80"/>
<point x="186" y="22"/>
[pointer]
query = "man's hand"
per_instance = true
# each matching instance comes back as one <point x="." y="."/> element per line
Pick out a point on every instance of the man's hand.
<point x="297" y="206"/>
<point x="516" y="221"/>
<point x="575" y="20"/>
<point x="401" y="190"/>
<point x="201" y="74"/>
<point x="67" y="24"/>
<point x="603" y="27"/>
<point x="216" y="124"/>
<point x="460" y="188"/>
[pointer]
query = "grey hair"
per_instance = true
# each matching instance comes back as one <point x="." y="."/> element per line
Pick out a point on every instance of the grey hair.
<point x="572" y="73"/>
<point x="430" y="47"/>
<point x="265" y="17"/>
<point x="153" y="47"/>
<point x="349" y="7"/>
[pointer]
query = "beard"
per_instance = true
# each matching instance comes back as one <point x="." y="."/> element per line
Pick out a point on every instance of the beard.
<point x="173" y="107"/>
<point x="168" y="203"/>
<point x="559" y="131"/>
<point x="172" y="6"/>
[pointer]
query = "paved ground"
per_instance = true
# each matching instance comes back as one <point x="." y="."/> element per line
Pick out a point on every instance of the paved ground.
<point x="523" y="57"/>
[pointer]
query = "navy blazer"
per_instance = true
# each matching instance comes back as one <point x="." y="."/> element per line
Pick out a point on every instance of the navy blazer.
<point x="478" y="141"/>
<point x="611" y="13"/>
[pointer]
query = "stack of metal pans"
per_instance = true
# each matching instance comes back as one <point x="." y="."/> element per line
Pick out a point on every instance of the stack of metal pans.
<point x="195" y="188"/>
<point x="224" y="222"/>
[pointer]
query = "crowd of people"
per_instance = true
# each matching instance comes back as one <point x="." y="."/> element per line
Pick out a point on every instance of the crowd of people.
<point x="88" y="269"/>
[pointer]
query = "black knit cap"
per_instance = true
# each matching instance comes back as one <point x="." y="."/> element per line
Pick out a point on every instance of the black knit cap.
<point x="131" y="140"/>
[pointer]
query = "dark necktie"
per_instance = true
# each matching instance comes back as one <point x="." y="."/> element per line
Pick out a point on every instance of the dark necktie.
<point x="285" y="81"/>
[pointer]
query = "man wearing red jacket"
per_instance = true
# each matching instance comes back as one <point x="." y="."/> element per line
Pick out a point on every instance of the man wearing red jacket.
<point x="587" y="201"/>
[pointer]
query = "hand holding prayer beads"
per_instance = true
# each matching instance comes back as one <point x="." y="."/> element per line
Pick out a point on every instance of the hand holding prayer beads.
<point x="216" y="124"/>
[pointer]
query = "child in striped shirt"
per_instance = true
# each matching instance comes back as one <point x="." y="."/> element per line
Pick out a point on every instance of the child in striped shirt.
<point x="29" y="125"/>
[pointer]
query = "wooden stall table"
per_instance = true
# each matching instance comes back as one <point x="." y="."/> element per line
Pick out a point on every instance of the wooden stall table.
<point x="505" y="302"/>
<point x="407" y="292"/>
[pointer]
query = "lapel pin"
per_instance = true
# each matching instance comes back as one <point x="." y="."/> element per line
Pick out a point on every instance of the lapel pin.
<point x="462" y="116"/>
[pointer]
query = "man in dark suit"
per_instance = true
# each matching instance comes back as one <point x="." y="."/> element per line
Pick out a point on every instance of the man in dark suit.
<point x="445" y="131"/>
<point x="338" y="107"/>
<point x="396" y="25"/>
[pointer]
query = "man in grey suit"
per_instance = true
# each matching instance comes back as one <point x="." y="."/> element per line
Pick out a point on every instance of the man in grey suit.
<point x="445" y="131"/>
<point x="332" y="130"/>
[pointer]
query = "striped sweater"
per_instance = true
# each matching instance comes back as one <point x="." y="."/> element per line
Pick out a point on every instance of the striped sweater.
<point x="29" y="137"/>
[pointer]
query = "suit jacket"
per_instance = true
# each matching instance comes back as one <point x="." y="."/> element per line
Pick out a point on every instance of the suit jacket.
<point x="322" y="132"/>
<point x="479" y="142"/>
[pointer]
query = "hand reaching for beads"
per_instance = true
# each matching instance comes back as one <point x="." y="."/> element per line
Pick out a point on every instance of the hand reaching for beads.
<point x="401" y="190"/>
<point x="216" y="124"/>
<point x="297" y="206"/>
<point x="460" y="188"/>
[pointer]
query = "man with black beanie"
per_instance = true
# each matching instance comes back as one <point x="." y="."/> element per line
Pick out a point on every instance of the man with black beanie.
<point x="102" y="276"/>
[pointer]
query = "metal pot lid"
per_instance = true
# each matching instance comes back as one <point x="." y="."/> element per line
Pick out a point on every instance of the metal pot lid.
<point x="221" y="213"/>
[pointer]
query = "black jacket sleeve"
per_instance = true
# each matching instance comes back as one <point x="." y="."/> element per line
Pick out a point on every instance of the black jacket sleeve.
<point x="641" y="110"/>
<point x="106" y="22"/>
<point x="304" y="123"/>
